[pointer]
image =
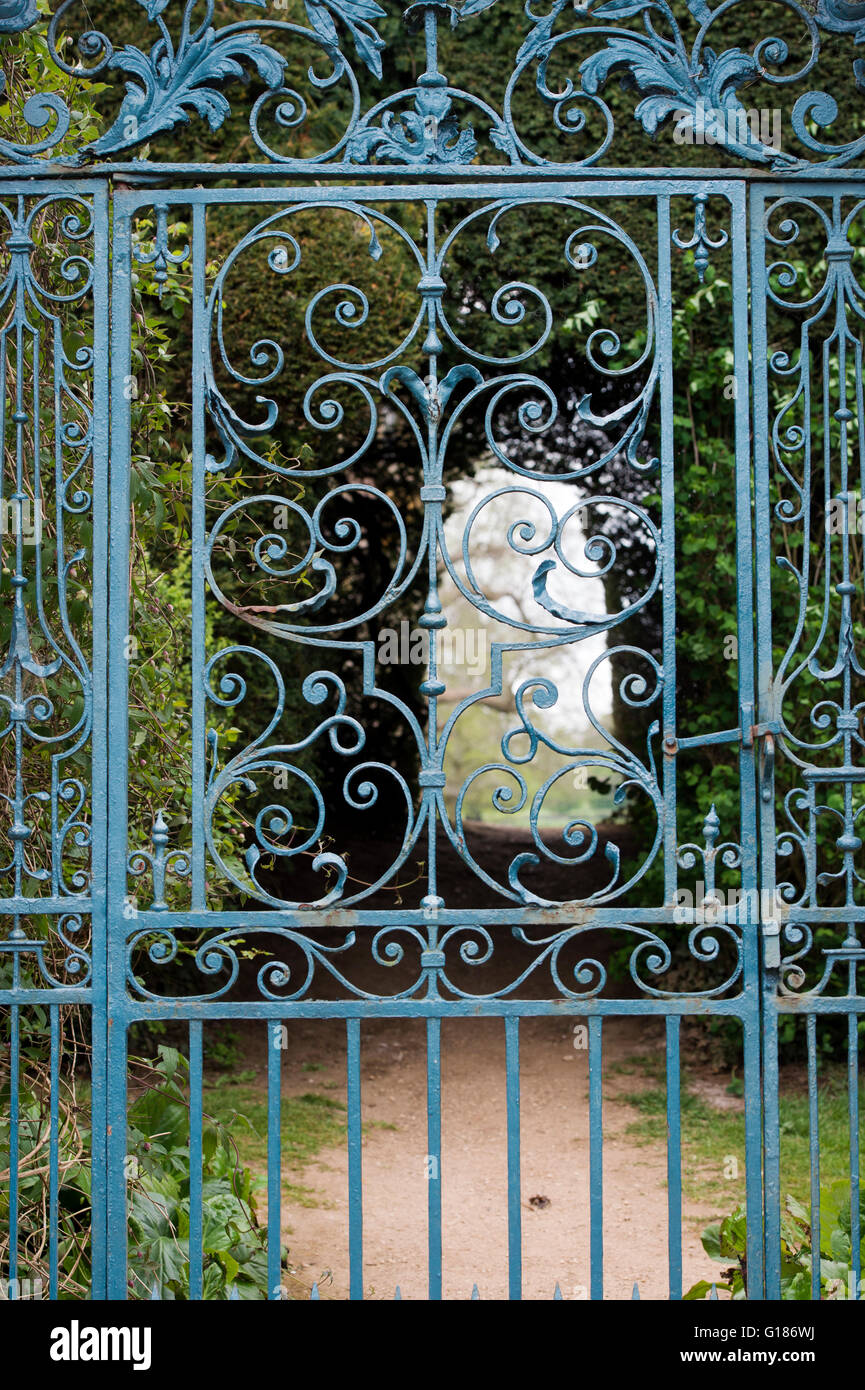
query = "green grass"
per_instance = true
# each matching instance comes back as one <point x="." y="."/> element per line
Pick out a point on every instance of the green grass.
<point x="713" y="1140"/>
<point x="308" y="1124"/>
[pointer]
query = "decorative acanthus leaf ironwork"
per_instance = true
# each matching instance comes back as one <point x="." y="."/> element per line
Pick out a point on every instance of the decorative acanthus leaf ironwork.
<point x="678" y="78"/>
<point x="428" y="134"/>
<point x="357" y="16"/>
<point x="171" y="85"/>
<point x="672" y="89"/>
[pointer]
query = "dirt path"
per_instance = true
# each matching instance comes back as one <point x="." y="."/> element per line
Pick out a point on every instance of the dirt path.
<point x="555" y="1154"/>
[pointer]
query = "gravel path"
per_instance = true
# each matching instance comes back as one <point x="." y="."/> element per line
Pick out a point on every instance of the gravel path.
<point x="555" y="1153"/>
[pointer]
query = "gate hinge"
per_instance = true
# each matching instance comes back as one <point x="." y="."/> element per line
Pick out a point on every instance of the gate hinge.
<point x="746" y="734"/>
<point x="770" y="726"/>
<point x="752" y="732"/>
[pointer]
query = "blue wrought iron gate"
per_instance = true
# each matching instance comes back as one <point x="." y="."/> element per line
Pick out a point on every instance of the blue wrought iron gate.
<point x="438" y="936"/>
<point x="250" y="898"/>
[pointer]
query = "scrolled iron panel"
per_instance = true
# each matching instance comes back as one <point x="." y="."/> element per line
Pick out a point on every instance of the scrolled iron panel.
<point x="431" y="421"/>
<point x="812" y="377"/>
<point x="54" y="545"/>
<point x="50" y="403"/>
<point x="432" y="375"/>
<point x="810" y="473"/>
<point x="667" y="54"/>
<point x="304" y="963"/>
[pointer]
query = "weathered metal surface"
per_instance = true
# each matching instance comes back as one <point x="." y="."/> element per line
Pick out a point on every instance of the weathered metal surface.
<point x="413" y="150"/>
<point x="809" y="476"/>
<point x="667" y="54"/>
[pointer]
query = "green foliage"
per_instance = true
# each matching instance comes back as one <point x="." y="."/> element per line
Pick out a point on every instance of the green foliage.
<point x="234" y="1245"/>
<point x="157" y="1170"/>
<point x="26" y="69"/>
<point x="726" y="1242"/>
<point x="308" y="1123"/>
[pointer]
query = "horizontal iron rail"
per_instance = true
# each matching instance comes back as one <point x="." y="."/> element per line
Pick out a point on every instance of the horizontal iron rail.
<point x="579" y="184"/>
<point x="337" y="918"/>
<point x="142" y="171"/>
<point x="51" y="907"/>
<point x="133" y="1010"/>
<point x="818" y="1004"/>
<point x="23" y="995"/>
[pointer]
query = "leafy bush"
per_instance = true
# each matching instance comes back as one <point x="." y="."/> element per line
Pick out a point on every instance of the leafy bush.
<point x="157" y="1169"/>
<point x="726" y="1240"/>
<point x="234" y="1245"/>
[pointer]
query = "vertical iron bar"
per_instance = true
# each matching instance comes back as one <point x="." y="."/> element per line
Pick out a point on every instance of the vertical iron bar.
<point x="814" y="1143"/>
<point x="771" y="1223"/>
<point x="515" y="1255"/>
<point x="753" y="1082"/>
<point x="771" y="1143"/>
<point x="101" y="588"/>
<point x="434" y="1144"/>
<point x="198" y="654"/>
<point x="355" y="1159"/>
<point x="596" y="1158"/>
<point x="196" y="1175"/>
<point x="117" y="915"/>
<point x="748" y="913"/>
<point x="14" y="1124"/>
<point x="853" y="1107"/>
<point x="668" y="554"/>
<point x="54" y="1152"/>
<point x="274" y="1158"/>
<point x="674" y="1157"/>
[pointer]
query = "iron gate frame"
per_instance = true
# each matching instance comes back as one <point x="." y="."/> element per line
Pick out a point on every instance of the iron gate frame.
<point x="781" y="918"/>
<point x="660" y="190"/>
<point x="119" y="190"/>
<point x="109" y="1001"/>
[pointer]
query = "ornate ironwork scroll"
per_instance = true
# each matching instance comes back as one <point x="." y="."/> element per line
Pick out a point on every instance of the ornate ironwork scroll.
<point x="47" y="423"/>
<point x="673" y="58"/>
<point x="332" y="858"/>
<point x="429" y="380"/>
<point x="813" y="482"/>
